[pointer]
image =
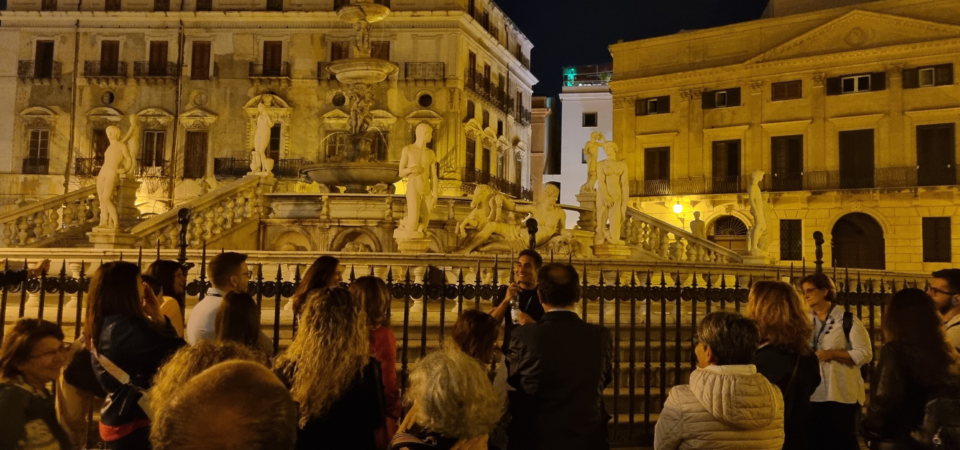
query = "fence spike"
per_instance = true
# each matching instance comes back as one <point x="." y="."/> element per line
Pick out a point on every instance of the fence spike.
<point x="633" y="278"/>
<point x="649" y="277"/>
<point x="791" y="270"/>
<point x="390" y="274"/>
<point x="846" y="277"/>
<point x="496" y="269"/>
<point x="371" y="270"/>
<point x="601" y="275"/>
<point x="353" y="275"/>
<point x="279" y="274"/>
<point x="460" y="276"/>
<point x="694" y="284"/>
<point x="723" y="280"/>
<point x="140" y="257"/>
<point x="750" y="282"/>
<point x="663" y="280"/>
<point x="121" y="257"/>
<point x="736" y="281"/>
<point x="859" y="287"/>
<point x="407" y="276"/>
<point x="158" y="249"/>
<point x="778" y="273"/>
<point x="426" y="274"/>
<point x="617" y="281"/>
<point x="677" y="281"/>
<point x="296" y="274"/>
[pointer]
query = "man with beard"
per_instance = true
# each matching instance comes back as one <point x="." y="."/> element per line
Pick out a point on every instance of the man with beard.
<point x="944" y="288"/>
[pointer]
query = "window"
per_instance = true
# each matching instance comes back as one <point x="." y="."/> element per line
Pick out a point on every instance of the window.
<point x="724" y="98"/>
<point x="37" y="161"/>
<point x="651" y="106"/>
<point x="940" y="75"/>
<point x="787" y="90"/>
<point x="936" y="155"/>
<point x="791" y="240"/>
<point x="153" y="150"/>
<point x="589" y="120"/>
<point x="519" y="101"/>
<point x="936" y="239"/>
<point x="274" y="5"/>
<point x="851" y="84"/>
<point x="656" y="163"/>
<point x="339" y="50"/>
<point x="272" y="58"/>
<point x="158" y="58"/>
<point x="273" y="150"/>
<point x="43" y="60"/>
<point x="380" y="50"/>
<point x="499" y="128"/>
<point x="200" y="63"/>
<point x="195" y="155"/>
<point x="501" y="169"/>
<point x="470" y="162"/>
<point x="204" y="5"/>
<point x="518" y="175"/>
<point x="786" y="163"/>
<point x="48" y="5"/>
<point x="471" y="67"/>
<point x="486" y="119"/>
<point x="485" y="167"/>
<point x="112" y="5"/>
<point x="161" y="5"/>
<point x="471" y="110"/>
<point x="110" y="58"/>
<point x="856" y="159"/>
<point x="726" y="167"/>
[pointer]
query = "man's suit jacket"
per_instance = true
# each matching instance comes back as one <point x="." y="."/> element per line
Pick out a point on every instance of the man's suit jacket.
<point x="559" y="367"/>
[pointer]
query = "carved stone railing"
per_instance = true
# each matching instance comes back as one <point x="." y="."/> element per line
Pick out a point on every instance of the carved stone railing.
<point x="672" y="243"/>
<point x="213" y="214"/>
<point x="51" y="220"/>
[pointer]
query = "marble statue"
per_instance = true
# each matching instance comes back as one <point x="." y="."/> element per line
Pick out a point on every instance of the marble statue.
<point x="487" y="206"/>
<point x="361" y="100"/>
<point x="612" y="195"/>
<point x="132" y="138"/>
<point x="116" y="163"/>
<point x="362" y="46"/>
<point x="419" y="164"/>
<point x="551" y="220"/>
<point x="591" y="152"/>
<point x="758" y="235"/>
<point x="698" y="227"/>
<point x="259" y="163"/>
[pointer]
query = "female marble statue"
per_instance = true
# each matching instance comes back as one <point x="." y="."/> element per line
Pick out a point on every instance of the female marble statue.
<point x="758" y="234"/>
<point x="259" y="162"/>
<point x="116" y="162"/>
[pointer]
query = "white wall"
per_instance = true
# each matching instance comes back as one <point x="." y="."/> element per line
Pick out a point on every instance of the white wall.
<point x="573" y="136"/>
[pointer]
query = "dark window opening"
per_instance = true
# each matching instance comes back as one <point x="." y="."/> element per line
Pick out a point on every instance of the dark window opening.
<point x="791" y="240"/>
<point x="200" y="61"/>
<point x="727" y="98"/>
<point x="726" y="166"/>
<point x="939" y="75"/>
<point x="937" y="246"/>
<point x="936" y="155"/>
<point x="195" y="155"/>
<point x="589" y="119"/>
<point x="153" y="149"/>
<point x="110" y="58"/>
<point x="856" y="159"/>
<point x="339" y="50"/>
<point x="786" y="171"/>
<point x="204" y="5"/>
<point x="273" y="150"/>
<point x="470" y="164"/>
<point x="43" y="60"/>
<point x="158" y="58"/>
<point x="485" y="167"/>
<point x="272" y="58"/>
<point x="651" y="106"/>
<point x="787" y="90"/>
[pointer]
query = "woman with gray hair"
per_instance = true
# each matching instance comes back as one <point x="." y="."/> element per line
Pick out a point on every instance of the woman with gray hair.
<point x="454" y="405"/>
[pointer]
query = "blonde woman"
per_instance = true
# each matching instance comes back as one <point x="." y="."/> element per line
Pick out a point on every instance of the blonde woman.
<point x="453" y="404"/>
<point x="784" y="356"/>
<point x="331" y="374"/>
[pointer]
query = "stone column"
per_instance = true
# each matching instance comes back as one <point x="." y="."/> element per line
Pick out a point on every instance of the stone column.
<point x="538" y="145"/>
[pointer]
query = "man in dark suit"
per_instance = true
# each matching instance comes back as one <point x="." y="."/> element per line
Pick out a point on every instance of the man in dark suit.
<point x="559" y="367"/>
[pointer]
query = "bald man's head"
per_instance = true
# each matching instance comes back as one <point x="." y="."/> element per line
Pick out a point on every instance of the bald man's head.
<point x="231" y="406"/>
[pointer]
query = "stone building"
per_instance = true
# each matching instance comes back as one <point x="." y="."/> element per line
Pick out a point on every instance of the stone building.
<point x="194" y="71"/>
<point x="851" y="112"/>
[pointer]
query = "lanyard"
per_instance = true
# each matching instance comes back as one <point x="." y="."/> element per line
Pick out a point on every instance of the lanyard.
<point x="823" y="328"/>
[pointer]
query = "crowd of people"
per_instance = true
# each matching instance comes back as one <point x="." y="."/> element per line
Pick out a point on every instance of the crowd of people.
<point x="786" y="374"/>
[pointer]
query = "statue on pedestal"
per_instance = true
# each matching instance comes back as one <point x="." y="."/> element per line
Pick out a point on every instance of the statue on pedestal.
<point x="758" y="236"/>
<point x="550" y="219"/>
<point x="259" y="163"/>
<point x="698" y="227"/>
<point x="362" y="46"/>
<point x="591" y="152"/>
<point x="612" y="194"/>
<point x="361" y="100"/>
<point x="487" y="207"/>
<point x="132" y="138"/>
<point x="419" y="164"/>
<point x="116" y="163"/>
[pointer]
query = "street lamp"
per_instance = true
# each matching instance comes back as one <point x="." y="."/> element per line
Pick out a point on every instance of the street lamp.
<point x="677" y="208"/>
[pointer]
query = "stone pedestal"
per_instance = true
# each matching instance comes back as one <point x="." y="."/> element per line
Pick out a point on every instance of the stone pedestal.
<point x="411" y="241"/>
<point x="111" y="238"/>
<point x="588" y="218"/>
<point x="756" y="259"/>
<point x="125" y="198"/>
<point x="611" y="251"/>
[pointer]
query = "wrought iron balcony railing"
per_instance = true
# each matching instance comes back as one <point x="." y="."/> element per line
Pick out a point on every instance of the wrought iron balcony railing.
<point x="281" y="70"/>
<point x="104" y="69"/>
<point x="240" y="167"/>
<point x="152" y="168"/>
<point x="36" y="166"/>
<point x="147" y="69"/>
<point x="87" y="167"/>
<point x="424" y="71"/>
<point x="38" y="69"/>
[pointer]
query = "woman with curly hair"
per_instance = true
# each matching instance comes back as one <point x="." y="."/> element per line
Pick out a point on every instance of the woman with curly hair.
<point x="453" y="404"/>
<point x="331" y="374"/>
<point x="784" y="356"/>
<point x="373" y="295"/>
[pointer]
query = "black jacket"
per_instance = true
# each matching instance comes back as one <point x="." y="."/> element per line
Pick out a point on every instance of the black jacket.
<point x="899" y="398"/>
<point x="777" y="365"/>
<point x="560" y="367"/>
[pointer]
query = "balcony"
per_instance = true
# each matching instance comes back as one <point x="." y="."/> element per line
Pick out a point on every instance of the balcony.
<point x="240" y="167"/>
<point x="688" y="186"/>
<point x="152" y="168"/>
<point x="487" y="91"/>
<point x="87" y="167"/>
<point x="42" y="70"/>
<point x="524" y="60"/>
<point x="105" y="69"/>
<point x="936" y="176"/>
<point x="524" y="116"/>
<point x="36" y="166"/>
<point x="424" y="71"/>
<point x="281" y="70"/>
<point x="147" y="69"/>
<point x="471" y="178"/>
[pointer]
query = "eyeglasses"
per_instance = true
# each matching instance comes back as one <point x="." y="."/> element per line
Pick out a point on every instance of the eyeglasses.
<point x="939" y="291"/>
<point x="64" y="347"/>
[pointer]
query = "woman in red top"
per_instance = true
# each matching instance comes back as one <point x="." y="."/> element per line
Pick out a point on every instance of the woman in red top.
<point x="373" y="294"/>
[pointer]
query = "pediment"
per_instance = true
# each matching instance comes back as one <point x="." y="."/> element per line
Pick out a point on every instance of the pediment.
<point x="424" y="115"/>
<point x="155" y="117"/>
<point x="271" y="100"/>
<point x="38" y="111"/>
<point x="197" y="118"/>
<point x="859" y="30"/>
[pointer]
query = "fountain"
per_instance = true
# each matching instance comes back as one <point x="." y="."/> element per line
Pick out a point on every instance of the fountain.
<point x="357" y="167"/>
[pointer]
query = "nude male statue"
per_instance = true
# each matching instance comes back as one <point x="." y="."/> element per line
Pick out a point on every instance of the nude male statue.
<point x="591" y="151"/>
<point x="612" y="195"/>
<point x="551" y="220"/>
<point x="419" y="164"/>
<point x="758" y="234"/>
<point x="116" y="162"/>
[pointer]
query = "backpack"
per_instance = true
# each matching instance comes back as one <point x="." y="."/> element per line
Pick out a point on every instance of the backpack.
<point x="940" y="429"/>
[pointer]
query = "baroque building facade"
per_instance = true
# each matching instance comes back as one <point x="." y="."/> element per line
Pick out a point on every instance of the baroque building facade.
<point x="852" y="113"/>
<point x="188" y="77"/>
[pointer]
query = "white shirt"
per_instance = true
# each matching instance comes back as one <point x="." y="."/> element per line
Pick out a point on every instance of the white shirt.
<point x="202" y="324"/>
<point x="952" y="329"/>
<point x="841" y="383"/>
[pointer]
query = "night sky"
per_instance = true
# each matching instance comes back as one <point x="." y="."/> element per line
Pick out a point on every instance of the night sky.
<point x="577" y="32"/>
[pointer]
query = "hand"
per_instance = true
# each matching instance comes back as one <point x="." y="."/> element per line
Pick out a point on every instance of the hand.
<point x="42" y="266"/>
<point x="512" y="292"/>
<point x="151" y="304"/>
<point x="826" y="355"/>
<point x="526" y="319"/>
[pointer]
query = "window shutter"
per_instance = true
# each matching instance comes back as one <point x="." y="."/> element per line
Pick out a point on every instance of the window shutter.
<point x="878" y="81"/>
<point x="663" y="105"/>
<point x="640" y="107"/>
<point x="709" y="100"/>
<point x="795" y="89"/>
<point x="834" y="86"/>
<point x="943" y="239"/>
<point x="911" y="78"/>
<point x="778" y="91"/>
<point x="936" y="239"/>
<point x="733" y="97"/>
<point x="944" y="74"/>
<point x="663" y="157"/>
<point x="200" y="65"/>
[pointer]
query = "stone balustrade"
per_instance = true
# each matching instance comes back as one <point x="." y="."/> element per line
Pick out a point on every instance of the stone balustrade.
<point x="211" y="215"/>
<point x="672" y="243"/>
<point x="51" y="220"/>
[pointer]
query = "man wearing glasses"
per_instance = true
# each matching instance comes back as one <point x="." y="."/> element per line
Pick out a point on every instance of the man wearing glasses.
<point x="228" y="273"/>
<point x="944" y="287"/>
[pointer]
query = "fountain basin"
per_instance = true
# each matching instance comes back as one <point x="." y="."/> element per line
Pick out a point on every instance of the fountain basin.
<point x="362" y="70"/>
<point x="371" y="12"/>
<point x="356" y="176"/>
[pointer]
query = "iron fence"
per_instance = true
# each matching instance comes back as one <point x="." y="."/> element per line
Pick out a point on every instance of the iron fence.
<point x="151" y="69"/>
<point x="116" y="69"/>
<point x="39" y="69"/>
<point x="281" y="70"/>
<point x="89" y="167"/>
<point x="36" y="166"/>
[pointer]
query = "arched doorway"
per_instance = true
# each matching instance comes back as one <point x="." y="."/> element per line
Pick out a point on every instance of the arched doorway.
<point x="730" y="232"/>
<point x="858" y="242"/>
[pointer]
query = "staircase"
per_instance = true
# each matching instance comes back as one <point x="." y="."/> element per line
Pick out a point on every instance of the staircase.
<point x="659" y="240"/>
<point x="52" y="222"/>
